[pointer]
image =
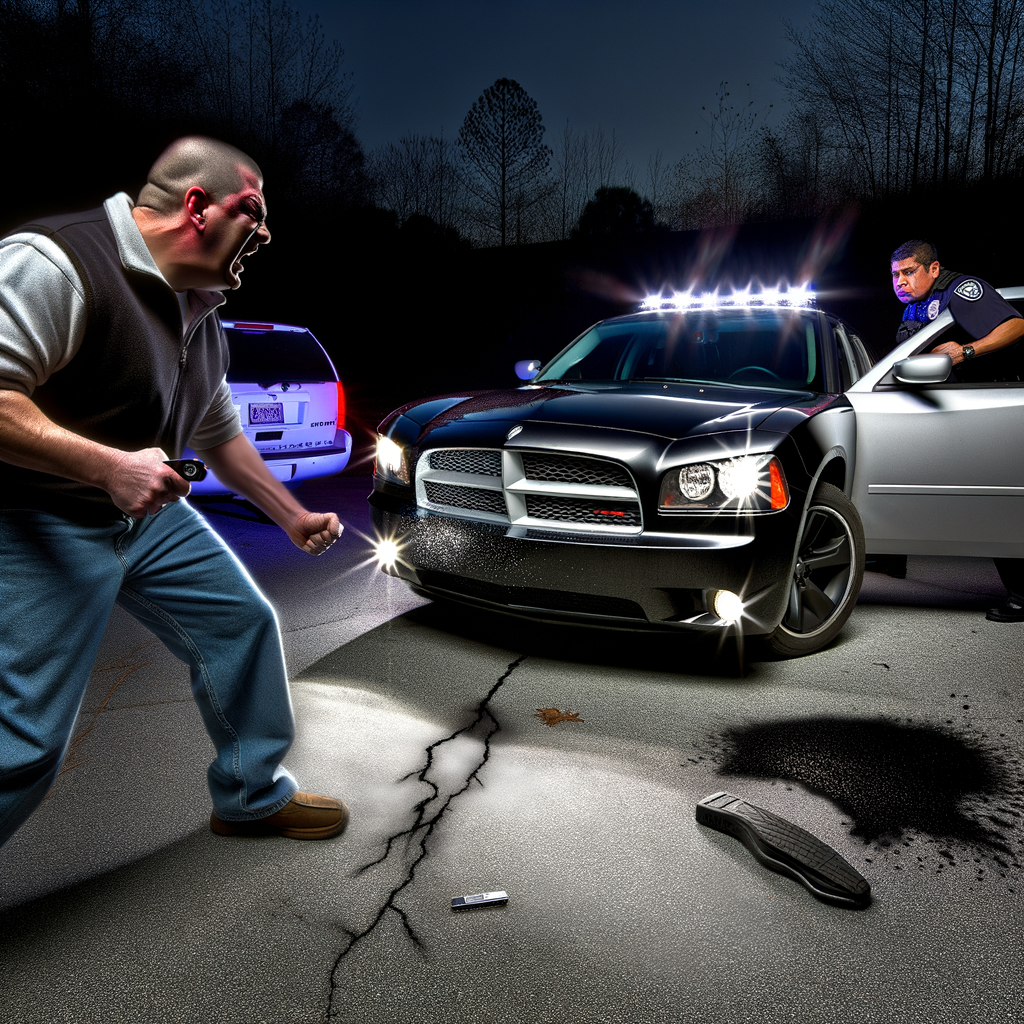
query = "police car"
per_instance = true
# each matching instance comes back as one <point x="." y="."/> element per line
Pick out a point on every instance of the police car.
<point x="291" y="403"/>
<point x="684" y="467"/>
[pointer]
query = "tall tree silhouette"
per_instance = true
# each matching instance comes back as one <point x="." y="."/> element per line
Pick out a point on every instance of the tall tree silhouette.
<point x="502" y="142"/>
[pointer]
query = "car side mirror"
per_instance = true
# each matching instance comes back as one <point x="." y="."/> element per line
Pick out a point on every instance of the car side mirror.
<point x="527" y="369"/>
<point x="932" y="368"/>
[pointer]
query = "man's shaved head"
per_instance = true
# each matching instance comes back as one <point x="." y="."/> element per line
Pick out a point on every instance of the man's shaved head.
<point x="214" y="166"/>
<point x="916" y="249"/>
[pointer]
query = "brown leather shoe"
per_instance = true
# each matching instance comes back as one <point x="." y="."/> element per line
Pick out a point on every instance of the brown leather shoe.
<point x="305" y="816"/>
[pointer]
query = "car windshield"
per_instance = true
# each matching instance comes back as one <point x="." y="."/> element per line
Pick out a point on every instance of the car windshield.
<point x="775" y="348"/>
<point x="269" y="357"/>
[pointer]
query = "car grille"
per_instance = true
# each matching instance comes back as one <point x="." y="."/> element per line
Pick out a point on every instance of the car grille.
<point x="575" y="471"/>
<point x="532" y="597"/>
<point x="465" y="497"/>
<point x="532" y="489"/>
<point x="576" y="510"/>
<point x="467" y="460"/>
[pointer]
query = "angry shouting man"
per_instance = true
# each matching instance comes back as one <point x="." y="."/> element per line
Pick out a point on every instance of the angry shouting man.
<point x="112" y="360"/>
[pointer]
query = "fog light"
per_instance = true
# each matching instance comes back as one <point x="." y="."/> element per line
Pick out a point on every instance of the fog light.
<point x="727" y="605"/>
<point x="387" y="555"/>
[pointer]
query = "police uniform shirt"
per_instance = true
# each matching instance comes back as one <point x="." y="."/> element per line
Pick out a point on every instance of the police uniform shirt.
<point x="973" y="303"/>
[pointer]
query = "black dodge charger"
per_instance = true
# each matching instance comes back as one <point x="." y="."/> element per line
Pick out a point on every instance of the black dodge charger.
<point x="687" y="466"/>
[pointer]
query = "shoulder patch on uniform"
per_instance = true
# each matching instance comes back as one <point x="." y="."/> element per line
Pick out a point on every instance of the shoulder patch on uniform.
<point x="933" y="309"/>
<point x="969" y="289"/>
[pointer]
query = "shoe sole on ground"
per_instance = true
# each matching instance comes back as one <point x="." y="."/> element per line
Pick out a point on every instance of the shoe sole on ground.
<point x="998" y="615"/>
<point x="787" y="848"/>
<point x="261" y="827"/>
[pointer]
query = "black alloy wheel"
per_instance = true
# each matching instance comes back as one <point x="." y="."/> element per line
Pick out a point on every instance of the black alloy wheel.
<point x="827" y="576"/>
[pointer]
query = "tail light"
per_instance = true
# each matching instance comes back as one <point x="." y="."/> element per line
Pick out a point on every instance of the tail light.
<point x="341" y="406"/>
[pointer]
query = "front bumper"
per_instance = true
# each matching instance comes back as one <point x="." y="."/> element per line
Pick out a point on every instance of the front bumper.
<point x="656" y="579"/>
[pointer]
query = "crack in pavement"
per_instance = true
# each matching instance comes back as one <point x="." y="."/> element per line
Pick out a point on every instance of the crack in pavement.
<point x="424" y="823"/>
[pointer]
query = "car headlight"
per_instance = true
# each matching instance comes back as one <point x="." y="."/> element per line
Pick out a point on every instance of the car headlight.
<point x="390" y="460"/>
<point x="753" y="483"/>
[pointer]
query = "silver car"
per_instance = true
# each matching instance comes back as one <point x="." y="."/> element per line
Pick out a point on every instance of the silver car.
<point x="940" y="454"/>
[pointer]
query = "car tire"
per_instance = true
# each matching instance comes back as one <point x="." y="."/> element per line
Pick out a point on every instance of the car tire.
<point x="827" y="575"/>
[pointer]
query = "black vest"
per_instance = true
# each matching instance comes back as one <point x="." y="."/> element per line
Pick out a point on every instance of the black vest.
<point x="133" y="384"/>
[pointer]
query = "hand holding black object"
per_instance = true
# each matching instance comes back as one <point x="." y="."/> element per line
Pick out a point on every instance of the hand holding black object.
<point x="141" y="483"/>
<point x="192" y="470"/>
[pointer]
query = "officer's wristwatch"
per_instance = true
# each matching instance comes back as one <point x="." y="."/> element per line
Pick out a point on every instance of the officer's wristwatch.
<point x="967" y="351"/>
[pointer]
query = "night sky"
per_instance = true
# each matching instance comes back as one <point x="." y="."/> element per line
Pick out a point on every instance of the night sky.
<point x="643" y="68"/>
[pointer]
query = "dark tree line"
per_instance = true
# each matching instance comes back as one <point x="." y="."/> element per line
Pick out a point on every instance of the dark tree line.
<point x="903" y="97"/>
<point x="92" y="90"/>
<point x="888" y="100"/>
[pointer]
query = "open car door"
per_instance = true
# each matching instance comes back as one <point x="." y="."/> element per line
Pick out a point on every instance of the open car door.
<point x="940" y="467"/>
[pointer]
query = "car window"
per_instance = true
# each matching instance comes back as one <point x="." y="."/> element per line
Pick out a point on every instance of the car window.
<point x="775" y="348"/>
<point x="270" y="357"/>
<point x="1005" y="366"/>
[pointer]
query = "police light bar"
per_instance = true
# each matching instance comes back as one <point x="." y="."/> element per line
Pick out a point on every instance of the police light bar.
<point x="791" y="296"/>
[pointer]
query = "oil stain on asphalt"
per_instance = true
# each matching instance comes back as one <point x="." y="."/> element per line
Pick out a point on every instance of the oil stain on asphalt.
<point x="920" y="795"/>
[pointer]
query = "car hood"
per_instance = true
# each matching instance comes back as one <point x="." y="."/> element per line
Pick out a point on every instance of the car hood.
<point x="665" y="410"/>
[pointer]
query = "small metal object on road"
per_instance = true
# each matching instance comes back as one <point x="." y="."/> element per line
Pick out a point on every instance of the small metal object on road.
<point x="785" y="847"/>
<point x="192" y="470"/>
<point x="481" y="899"/>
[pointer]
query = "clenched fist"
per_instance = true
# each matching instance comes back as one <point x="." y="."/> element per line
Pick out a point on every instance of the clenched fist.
<point x="315" y="532"/>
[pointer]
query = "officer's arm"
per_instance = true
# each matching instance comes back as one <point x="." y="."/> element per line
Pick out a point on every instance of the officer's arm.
<point x="239" y="466"/>
<point x="1005" y="334"/>
<point x="138" y="482"/>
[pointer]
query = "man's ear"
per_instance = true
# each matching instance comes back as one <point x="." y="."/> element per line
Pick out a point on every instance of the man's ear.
<point x="933" y="270"/>
<point x="196" y="203"/>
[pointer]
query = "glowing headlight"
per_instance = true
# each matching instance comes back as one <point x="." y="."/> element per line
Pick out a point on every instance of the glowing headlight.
<point x="727" y="605"/>
<point x="739" y="478"/>
<point x="747" y="483"/>
<point x="391" y="459"/>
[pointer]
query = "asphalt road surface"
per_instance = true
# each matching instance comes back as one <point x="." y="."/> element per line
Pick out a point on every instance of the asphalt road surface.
<point x="561" y="765"/>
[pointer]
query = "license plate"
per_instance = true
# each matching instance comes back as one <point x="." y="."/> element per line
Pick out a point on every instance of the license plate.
<point x="272" y="413"/>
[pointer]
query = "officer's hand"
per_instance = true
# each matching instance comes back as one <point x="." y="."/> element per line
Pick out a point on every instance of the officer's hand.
<point x="141" y="484"/>
<point x="315" y="532"/>
<point x="952" y="349"/>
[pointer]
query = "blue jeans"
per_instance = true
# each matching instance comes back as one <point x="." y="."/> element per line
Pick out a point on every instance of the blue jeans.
<point x="59" y="581"/>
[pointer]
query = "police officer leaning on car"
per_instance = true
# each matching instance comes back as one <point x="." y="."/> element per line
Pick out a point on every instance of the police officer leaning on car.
<point x="927" y="288"/>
